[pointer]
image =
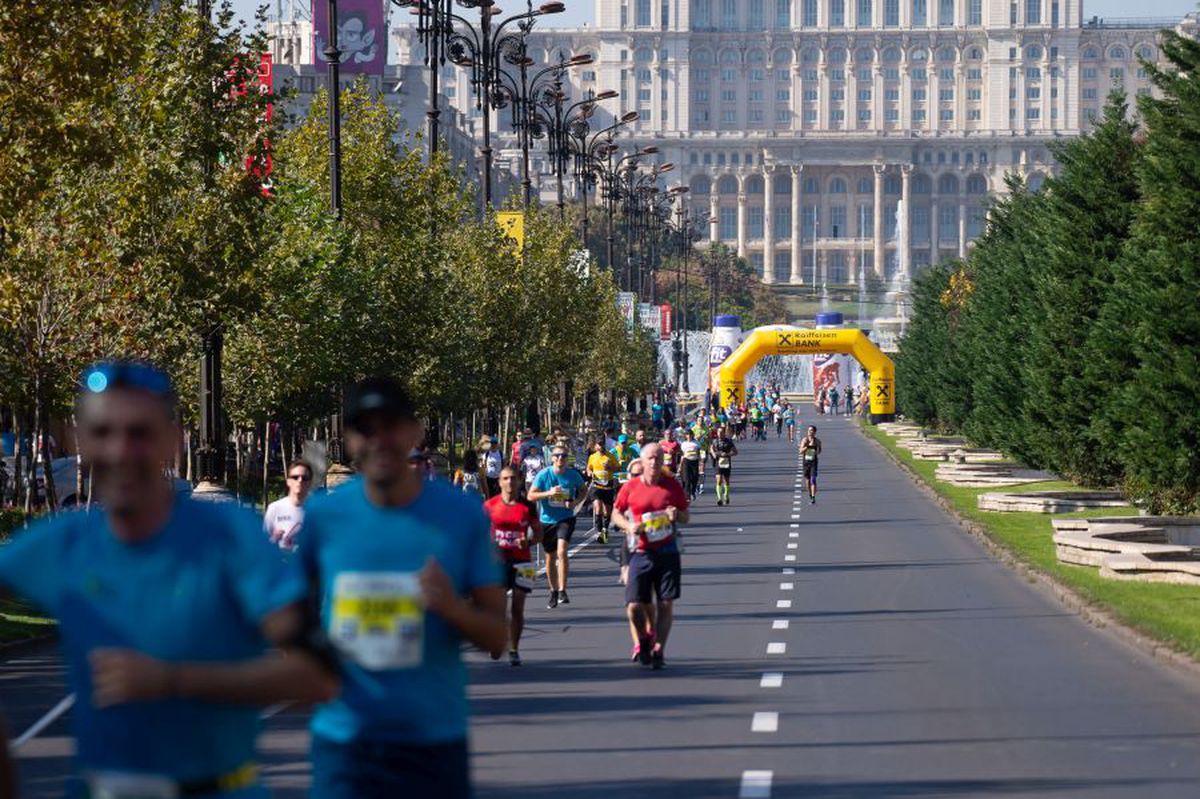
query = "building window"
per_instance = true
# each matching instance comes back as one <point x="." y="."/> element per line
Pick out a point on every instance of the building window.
<point x="1089" y="73"/>
<point x="837" y="222"/>
<point x="729" y="116"/>
<point x="920" y="223"/>
<point x="754" y="222"/>
<point x="974" y="94"/>
<point x="1033" y="113"/>
<point x="837" y="95"/>
<point x="946" y="115"/>
<point x="810" y="116"/>
<point x="946" y="13"/>
<point x="918" y="95"/>
<point x="975" y="12"/>
<point x="920" y="74"/>
<point x="783" y="95"/>
<point x="728" y="14"/>
<point x="975" y="73"/>
<point x="644" y="114"/>
<point x="729" y="95"/>
<point x="811" y="186"/>
<point x="701" y="117"/>
<point x="837" y="115"/>
<point x="701" y="75"/>
<point x="892" y="115"/>
<point x="919" y="115"/>
<point x="891" y="13"/>
<point x="756" y="75"/>
<point x="837" y="13"/>
<point x="810" y="95"/>
<point x="703" y="9"/>
<point x="728" y="75"/>
<point x="644" y="95"/>
<point x="643" y="13"/>
<point x="810" y="14"/>
<point x="891" y="73"/>
<point x="756" y="15"/>
<point x="974" y="115"/>
<point x="891" y="95"/>
<point x="865" y="220"/>
<point x="666" y="14"/>
<point x="836" y="267"/>
<point x="1089" y="94"/>
<point x="837" y="73"/>
<point x="782" y="221"/>
<point x="1117" y="74"/>
<point x="1033" y="73"/>
<point x="864" y="95"/>
<point x="756" y="95"/>
<point x="1033" y="93"/>
<point x="946" y="74"/>
<point x="783" y="13"/>
<point x="1033" y="12"/>
<point x="864" y="74"/>
<point x="864" y="14"/>
<point x="727" y="223"/>
<point x="920" y="13"/>
<point x="783" y="115"/>
<point x="809" y="74"/>
<point x="782" y="75"/>
<point x="946" y="95"/>
<point x="864" y="115"/>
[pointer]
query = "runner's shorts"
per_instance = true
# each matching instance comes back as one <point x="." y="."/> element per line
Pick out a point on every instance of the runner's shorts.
<point x="363" y="769"/>
<point x="510" y="578"/>
<point x="724" y="471"/>
<point x="605" y="495"/>
<point x="652" y="575"/>
<point x="810" y="470"/>
<point x="558" y="531"/>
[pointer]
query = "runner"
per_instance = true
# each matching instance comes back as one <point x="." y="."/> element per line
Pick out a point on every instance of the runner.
<point x="407" y="572"/>
<point x="556" y="490"/>
<point x="167" y="608"/>
<point x="624" y="455"/>
<point x="789" y="420"/>
<point x="656" y="505"/>
<point x="635" y="471"/>
<point x="670" y="452"/>
<point x="639" y="439"/>
<point x="512" y="521"/>
<point x="602" y="470"/>
<point x="723" y="452"/>
<point x="285" y="517"/>
<point x="493" y="462"/>
<point x="777" y="415"/>
<point x="532" y="465"/>
<point x="835" y="408"/>
<point x="810" y="451"/>
<point x="691" y="456"/>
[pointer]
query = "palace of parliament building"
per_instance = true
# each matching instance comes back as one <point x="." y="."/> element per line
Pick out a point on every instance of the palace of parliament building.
<point x="799" y="126"/>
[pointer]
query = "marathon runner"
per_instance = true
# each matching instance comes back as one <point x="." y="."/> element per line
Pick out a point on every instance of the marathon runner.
<point x="556" y="490"/>
<point x="810" y="452"/>
<point x="670" y="452"/>
<point x="602" y="470"/>
<point x="723" y="452"/>
<point x="691" y="456"/>
<point x="407" y="572"/>
<point x="167" y="608"/>
<point x="512" y="524"/>
<point x="624" y="455"/>
<point x="649" y="510"/>
<point x="285" y="517"/>
<point x="789" y="420"/>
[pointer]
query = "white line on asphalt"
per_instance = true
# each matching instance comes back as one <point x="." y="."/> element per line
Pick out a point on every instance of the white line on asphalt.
<point x="783" y="603"/>
<point x="739" y="529"/>
<point x="274" y="710"/>
<point x="793" y="545"/>
<point x="771" y="679"/>
<point x="776" y="648"/>
<point x="780" y="624"/>
<point x="45" y="721"/>
<point x="794" y="516"/>
<point x="787" y="586"/>
<point x="789" y="558"/>
<point x="793" y="526"/>
<point x="765" y="722"/>
<point x="573" y="551"/>
<point x="793" y="535"/>
<point x="756" y="784"/>
<point x="789" y="571"/>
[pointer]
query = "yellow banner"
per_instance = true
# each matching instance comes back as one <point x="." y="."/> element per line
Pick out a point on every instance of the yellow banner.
<point x="512" y="223"/>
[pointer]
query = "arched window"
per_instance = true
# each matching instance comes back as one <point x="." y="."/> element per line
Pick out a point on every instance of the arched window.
<point x="864" y="55"/>
<point x="892" y="184"/>
<point x="811" y="186"/>
<point x="921" y="184"/>
<point x="754" y="184"/>
<point x="1036" y="181"/>
<point x="809" y="55"/>
<point x="701" y="57"/>
<point x="948" y="184"/>
<point x="919" y="55"/>
<point x="782" y="56"/>
<point x="1033" y="52"/>
<point x="946" y="54"/>
<point x="1116" y="54"/>
<point x="1090" y="53"/>
<point x="729" y="56"/>
<point x="837" y="55"/>
<point x="891" y="55"/>
<point x="866" y="186"/>
<point x="976" y="184"/>
<point x="1146" y="53"/>
<point x="756" y="57"/>
<point x="837" y="186"/>
<point x="701" y="185"/>
<point x="782" y="183"/>
<point x="975" y="54"/>
<point x="727" y="185"/>
<point x="642" y="55"/>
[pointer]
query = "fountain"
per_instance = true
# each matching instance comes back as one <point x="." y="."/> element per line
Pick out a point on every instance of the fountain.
<point x="886" y="331"/>
<point x="862" y="293"/>
<point x="792" y="373"/>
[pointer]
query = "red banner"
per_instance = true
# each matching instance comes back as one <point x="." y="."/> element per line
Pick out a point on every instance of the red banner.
<point x="666" y="322"/>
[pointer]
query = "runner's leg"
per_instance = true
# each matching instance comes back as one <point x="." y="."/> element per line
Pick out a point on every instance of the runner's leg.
<point x="563" y="543"/>
<point x="517" y="625"/>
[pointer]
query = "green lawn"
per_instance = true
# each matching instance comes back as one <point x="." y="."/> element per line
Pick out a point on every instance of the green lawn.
<point x="1168" y="613"/>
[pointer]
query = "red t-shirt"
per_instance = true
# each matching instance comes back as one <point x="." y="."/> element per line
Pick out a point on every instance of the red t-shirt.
<point x="652" y="500"/>
<point x="670" y="451"/>
<point x="509" y="525"/>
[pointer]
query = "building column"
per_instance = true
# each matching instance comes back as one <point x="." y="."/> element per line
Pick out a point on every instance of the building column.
<point x="741" y="216"/>
<point x="904" y="234"/>
<point x="714" y="215"/>
<point x="797" y="276"/>
<point x="962" y="228"/>
<point x="768" y="230"/>
<point x="935" y="234"/>
<point x="880" y="253"/>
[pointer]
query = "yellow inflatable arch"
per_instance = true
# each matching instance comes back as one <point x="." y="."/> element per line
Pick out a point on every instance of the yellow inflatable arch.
<point x="784" y="340"/>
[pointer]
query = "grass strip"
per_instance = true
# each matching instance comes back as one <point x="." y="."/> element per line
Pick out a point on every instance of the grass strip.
<point x="1167" y="613"/>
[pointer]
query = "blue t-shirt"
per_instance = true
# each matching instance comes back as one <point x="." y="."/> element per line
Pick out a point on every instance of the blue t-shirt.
<point x="552" y="511"/>
<point x="404" y="679"/>
<point x="197" y="591"/>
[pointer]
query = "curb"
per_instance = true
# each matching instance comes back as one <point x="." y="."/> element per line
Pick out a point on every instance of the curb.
<point x="1101" y="619"/>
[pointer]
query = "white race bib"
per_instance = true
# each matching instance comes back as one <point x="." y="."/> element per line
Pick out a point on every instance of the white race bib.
<point x="560" y="499"/>
<point x="378" y="619"/>
<point x="116" y="785"/>
<point x="525" y="575"/>
<point x="810" y="454"/>
<point x="601" y="476"/>
<point x="724" y="462"/>
<point x="657" y="526"/>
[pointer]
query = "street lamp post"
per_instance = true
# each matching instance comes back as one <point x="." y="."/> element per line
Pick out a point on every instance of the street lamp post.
<point x="333" y="58"/>
<point x="431" y="30"/>
<point x="593" y="161"/>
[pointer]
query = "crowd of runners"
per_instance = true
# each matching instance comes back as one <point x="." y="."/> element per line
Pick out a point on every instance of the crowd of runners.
<point x="358" y="600"/>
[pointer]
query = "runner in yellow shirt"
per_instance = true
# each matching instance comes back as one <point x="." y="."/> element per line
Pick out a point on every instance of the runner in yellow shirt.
<point x="602" y="470"/>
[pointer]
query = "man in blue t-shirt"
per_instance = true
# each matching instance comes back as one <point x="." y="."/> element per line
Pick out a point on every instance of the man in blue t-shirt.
<point x="407" y="571"/>
<point x="557" y="490"/>
<point x="166" y="608"/>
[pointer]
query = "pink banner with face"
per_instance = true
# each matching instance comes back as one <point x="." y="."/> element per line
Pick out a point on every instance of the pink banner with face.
<point x="361" y="38"/>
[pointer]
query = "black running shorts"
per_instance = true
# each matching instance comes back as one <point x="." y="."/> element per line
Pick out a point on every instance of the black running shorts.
<point x="559" y="531"/>
<point x="652" y="575"/>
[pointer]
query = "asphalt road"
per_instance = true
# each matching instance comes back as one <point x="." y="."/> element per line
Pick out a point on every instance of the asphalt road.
<point x="861" y="647"/>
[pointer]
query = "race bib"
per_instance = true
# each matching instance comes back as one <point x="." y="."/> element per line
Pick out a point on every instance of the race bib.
<point x="115" y="785"/>
<point x="657" y="526"/>
<point x="810" y="454"/>
<point x="378" y="619"/>
<point x="724" y="462"/>
<point x="561" y="498"/>
<point x="601" y="476"/>
<point x="667" y="459"/>
<point x="622" y="477"/>
<point x="525" y="575"/>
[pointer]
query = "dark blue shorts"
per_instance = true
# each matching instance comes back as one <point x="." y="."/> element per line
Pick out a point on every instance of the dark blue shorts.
<point x="386" y="770"/>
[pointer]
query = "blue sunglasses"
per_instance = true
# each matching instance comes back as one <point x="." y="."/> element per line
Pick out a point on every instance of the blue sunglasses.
<point x="102" y="376"/>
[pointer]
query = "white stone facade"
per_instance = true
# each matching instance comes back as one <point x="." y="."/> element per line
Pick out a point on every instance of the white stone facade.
<point x="799" y="124"/>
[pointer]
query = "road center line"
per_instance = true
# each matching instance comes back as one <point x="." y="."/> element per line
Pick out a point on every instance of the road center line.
<point x="756" y="784"/>
<point x="780" y="624"/>
<point x="777" y="648"/>
<point x="765" y="722"/>
<point x="783" y="604"/>
<point x="771" y="679"/>
<point x="787" y="586"/>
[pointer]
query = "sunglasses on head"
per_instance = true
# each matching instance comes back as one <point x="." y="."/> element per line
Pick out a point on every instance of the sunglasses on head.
<point x="105" y="375"/>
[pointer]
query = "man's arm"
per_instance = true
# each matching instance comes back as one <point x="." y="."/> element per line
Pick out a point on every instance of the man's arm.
<point x="293" y="673"/>
<point x="480" y="618"/>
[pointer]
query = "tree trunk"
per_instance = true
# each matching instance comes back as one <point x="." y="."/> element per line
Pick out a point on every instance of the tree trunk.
<point x="266" y="460"/>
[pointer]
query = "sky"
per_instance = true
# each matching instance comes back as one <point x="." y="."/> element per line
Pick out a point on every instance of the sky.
<point x="581" y="11"/>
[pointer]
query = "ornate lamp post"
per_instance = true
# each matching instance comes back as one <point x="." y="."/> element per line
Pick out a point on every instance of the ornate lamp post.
<point x="560" y="125"/>
<point x="593" y="156"/>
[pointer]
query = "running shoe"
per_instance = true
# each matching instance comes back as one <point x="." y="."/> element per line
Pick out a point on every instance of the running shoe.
<point x="636" y="654"/>
<point x="812" y="500"/>
<point x="656" y="659"/>
<point x="552" y="603"/>
<point x="563" y="599"/>
<point x="514" y="657"/>
<point x="644" y="649"/>
<point x="604" y="535"/>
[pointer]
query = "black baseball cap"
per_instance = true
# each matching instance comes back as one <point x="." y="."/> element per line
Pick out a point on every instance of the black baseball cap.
<point x="377" y="395"/>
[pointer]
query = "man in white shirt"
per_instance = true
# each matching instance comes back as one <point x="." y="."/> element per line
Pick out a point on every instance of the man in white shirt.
<point x="493" y="462"/>
<point x="285" y="517"/>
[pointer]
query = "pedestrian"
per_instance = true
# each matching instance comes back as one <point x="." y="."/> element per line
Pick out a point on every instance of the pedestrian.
<point x="493" y="462"/>
<point x="407" y="573"/>
<point x="557" y="490"/>
<point x="849" y="401"/>
<point x="172" y="613"/>
<point x="468" y="477"/>
<point x="285" y="516"/>
<point x="649" y="509"/>
<point x="834" y="402"/>
<point x="515" y="526"/>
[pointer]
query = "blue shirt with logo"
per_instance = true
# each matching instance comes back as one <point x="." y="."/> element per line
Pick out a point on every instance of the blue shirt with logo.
<point x="571" y="481"/>
<point x="197" y="591"/>
<point x="345" y="534"/>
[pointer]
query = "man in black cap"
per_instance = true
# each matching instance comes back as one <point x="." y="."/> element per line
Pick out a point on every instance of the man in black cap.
<point x="406" y="570"/>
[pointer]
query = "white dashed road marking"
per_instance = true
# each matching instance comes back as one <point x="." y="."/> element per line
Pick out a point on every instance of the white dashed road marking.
<point x="780" y="624"/>
<point x="783" y="604"/>
<point x="771" y="679"/>
<point x="765" y="722"/>
<point x="756" y="784"/>
<point x="777" y="648"/>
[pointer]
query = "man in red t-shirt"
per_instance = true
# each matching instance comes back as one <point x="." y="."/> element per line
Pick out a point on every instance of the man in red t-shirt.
<point x="649" y="509"/>
<point x="512" y="523"/>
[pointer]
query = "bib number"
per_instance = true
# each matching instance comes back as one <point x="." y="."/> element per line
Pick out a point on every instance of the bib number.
<point x="657" y="526"/>
<point x="724" y="463"/>
<point x="525" y="574"/>
<point x="561" y="498"/>
<point x="378" y="619"/>
<point x="601" y="476"/>
<point x="114" y="785"/>
<point x="810" y="454"/>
